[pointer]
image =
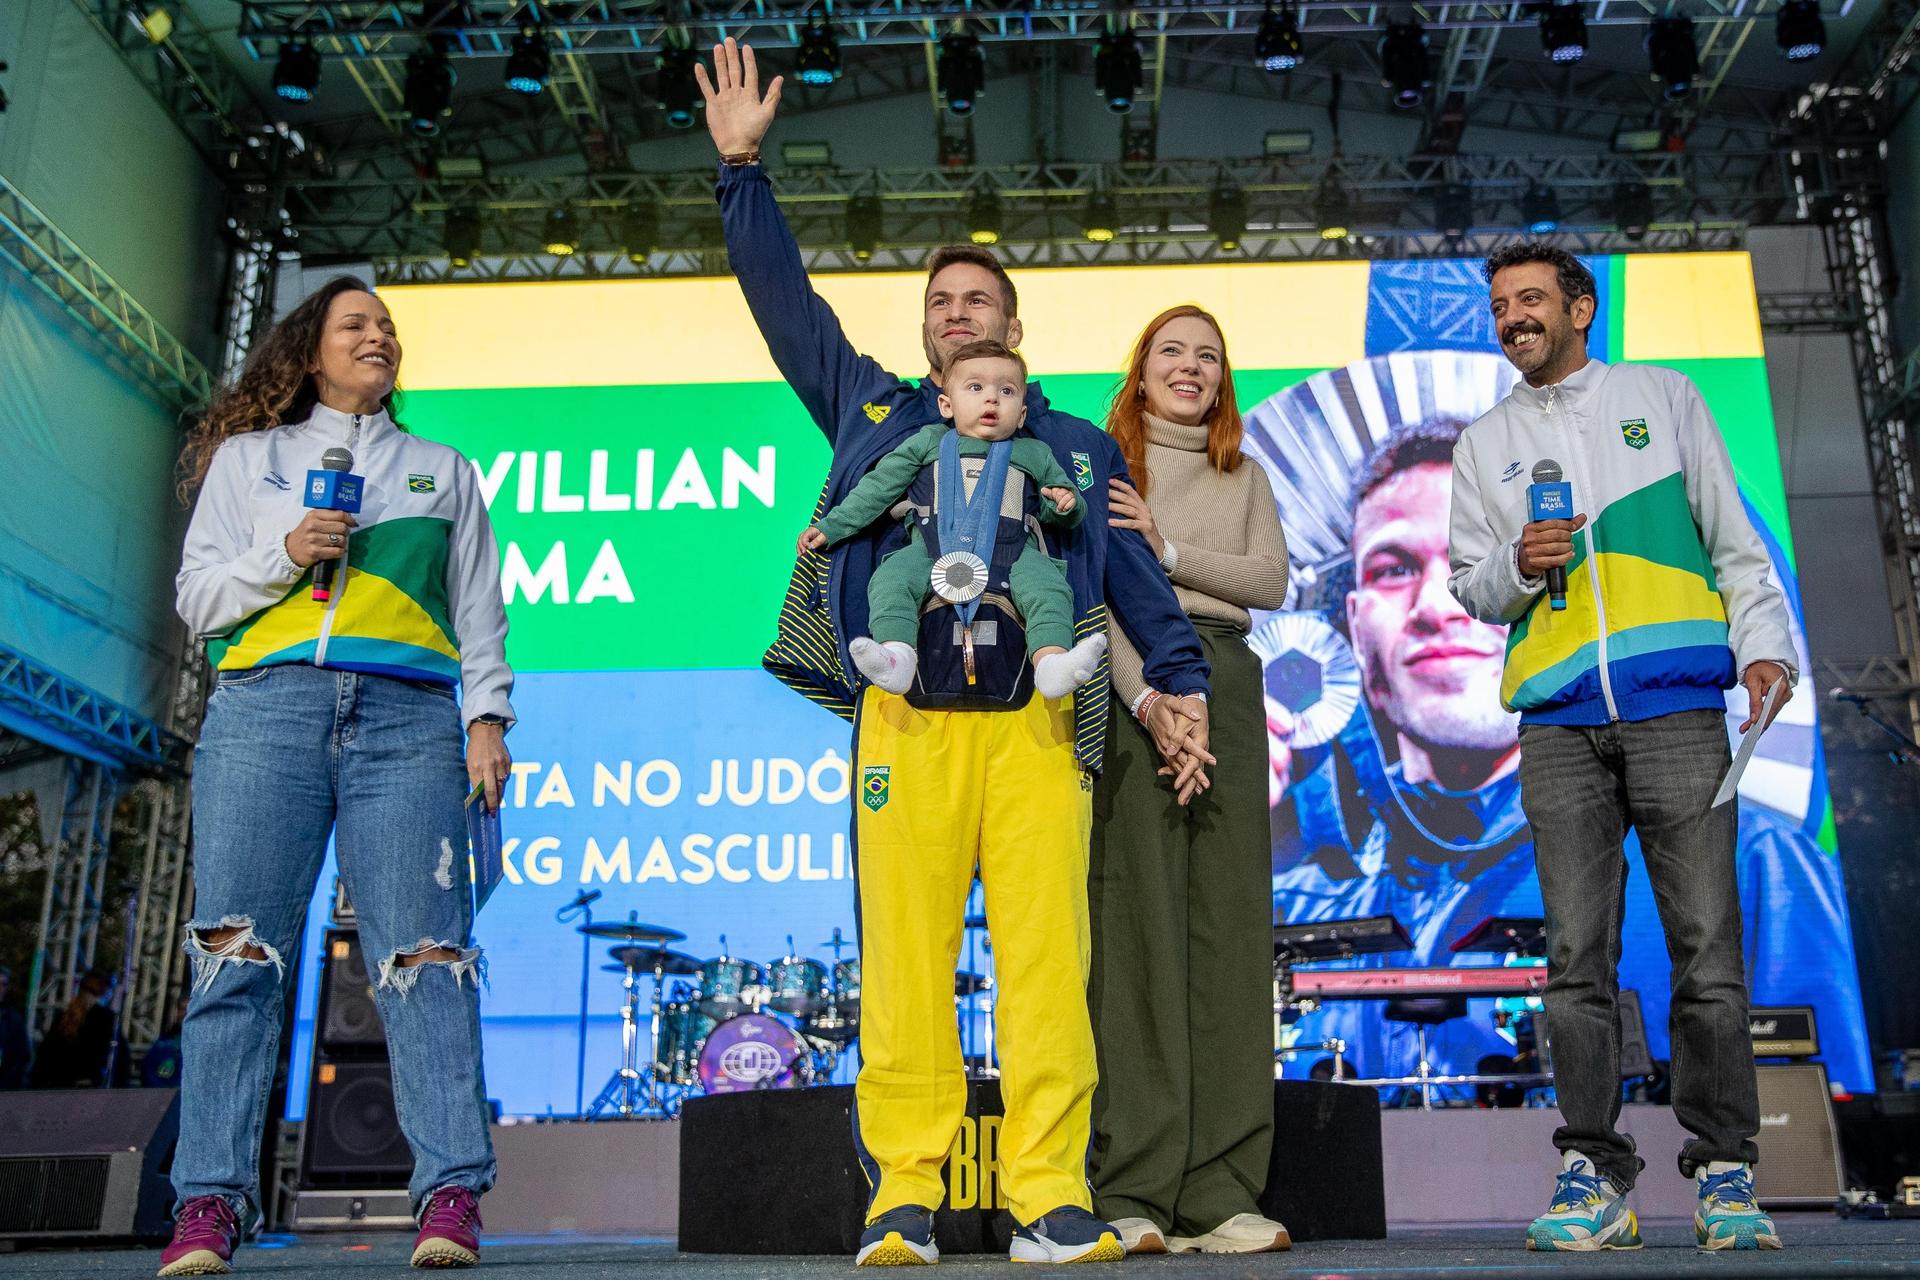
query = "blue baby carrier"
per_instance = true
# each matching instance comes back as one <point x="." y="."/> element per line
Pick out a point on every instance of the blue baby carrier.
<point x="973" y="642"/>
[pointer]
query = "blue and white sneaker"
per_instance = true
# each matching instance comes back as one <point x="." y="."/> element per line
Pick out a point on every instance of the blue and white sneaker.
<point x="1728" y="1216"/>
<point x="900" y="1237"/>
<point x="1588" y="1212"/>
<point x="1067" y="1234"/>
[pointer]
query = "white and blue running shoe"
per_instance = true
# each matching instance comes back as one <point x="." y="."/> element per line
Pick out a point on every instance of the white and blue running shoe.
<point x="1728" y="1216"/>
<point x="1067" y="1234"/>
<point x="1587" y="1213"/>
<point x="900" y="1237"/>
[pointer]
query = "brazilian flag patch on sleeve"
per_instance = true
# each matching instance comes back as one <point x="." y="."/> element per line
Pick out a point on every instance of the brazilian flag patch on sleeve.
<point x="420" y="484"/>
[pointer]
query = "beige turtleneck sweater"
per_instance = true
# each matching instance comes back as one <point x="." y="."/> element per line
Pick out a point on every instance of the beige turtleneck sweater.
<point x="1229" y="554"/>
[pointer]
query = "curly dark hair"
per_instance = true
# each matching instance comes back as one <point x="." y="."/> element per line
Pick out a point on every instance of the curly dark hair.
<point x="1409" y="445"/>
<point x="273" y="388"/>
<point x="1576" y="281"/>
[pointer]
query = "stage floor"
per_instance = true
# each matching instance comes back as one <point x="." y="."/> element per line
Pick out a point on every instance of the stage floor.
<point x="1821" y="1245"/>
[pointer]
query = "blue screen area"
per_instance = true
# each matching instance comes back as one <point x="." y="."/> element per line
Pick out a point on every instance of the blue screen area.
<point x="715" y="802"/>
<point x="763" y="857"/>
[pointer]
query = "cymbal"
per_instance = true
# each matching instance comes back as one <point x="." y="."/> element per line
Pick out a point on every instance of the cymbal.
<point x="969" y="984"/>
<point x="631" y="931"/>
<point x="647" y="959"/>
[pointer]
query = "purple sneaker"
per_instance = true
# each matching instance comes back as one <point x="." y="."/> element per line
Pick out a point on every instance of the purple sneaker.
<point x="204" y="1234"/>
<point x="449" y="1230"/>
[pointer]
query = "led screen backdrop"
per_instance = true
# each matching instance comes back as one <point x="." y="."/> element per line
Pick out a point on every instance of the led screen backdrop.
<point x="647" y="472"/>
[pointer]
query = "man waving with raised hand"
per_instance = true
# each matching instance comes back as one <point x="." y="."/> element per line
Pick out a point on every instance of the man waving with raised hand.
<point x="943" y="789"/>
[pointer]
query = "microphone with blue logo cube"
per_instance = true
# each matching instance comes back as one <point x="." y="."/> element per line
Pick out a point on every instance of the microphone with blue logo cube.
<point x="332" y="488"/>
<point x="1551" y="498"/>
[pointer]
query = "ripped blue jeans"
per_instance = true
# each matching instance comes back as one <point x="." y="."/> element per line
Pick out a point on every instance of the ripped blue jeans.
<point x="287" y="756"/>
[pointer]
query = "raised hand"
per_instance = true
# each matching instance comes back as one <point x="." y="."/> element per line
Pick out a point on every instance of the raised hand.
<point x="738" y="116"/>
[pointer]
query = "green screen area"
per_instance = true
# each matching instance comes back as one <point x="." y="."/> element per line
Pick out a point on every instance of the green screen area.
<point x="706" y="578"/>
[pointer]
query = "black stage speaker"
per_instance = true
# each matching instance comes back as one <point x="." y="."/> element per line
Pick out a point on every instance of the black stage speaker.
<point x="810" y="1196"/>
<point x="1799" y="1163"/>
<point x="1636" y="1060"/>
<point x="1327" y="1178"/>
<point x="352" y="1136"/>
<point x="349" y="1020"/>
<point x="87" y="1163"/>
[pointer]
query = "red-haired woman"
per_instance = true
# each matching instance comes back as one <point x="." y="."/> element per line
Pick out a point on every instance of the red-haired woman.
<point x="336" y="718"/>
<point x="1181" y="991"/>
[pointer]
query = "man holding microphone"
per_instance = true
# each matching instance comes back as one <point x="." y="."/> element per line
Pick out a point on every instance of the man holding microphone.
<point x="1629" y="617"/>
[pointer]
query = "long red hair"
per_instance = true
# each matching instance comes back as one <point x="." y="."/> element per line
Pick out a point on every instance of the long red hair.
<point x="1127" y="416"/>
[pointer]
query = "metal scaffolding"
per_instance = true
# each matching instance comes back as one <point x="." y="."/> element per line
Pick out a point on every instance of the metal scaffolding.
<point x="1697" y="201"/>
<point x="76" y="847"/>
<point x="126" y="331"/>
<point x="365" y="29"/>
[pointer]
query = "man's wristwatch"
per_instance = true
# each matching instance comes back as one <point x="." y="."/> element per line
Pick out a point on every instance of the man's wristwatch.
<point x="490" y="717"/>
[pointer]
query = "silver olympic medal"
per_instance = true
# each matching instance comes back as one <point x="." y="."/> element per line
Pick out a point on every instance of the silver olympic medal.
<point x="959" y="576"/>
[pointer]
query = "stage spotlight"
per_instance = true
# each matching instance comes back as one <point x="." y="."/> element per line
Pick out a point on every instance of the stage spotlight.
<point x="678" y="90"/>
<point x="1102" y="218"/>
<point x="1227" y="216"/>
<point x="297" y="74"/>
<point x="866" y="225"/>
<point x="1563" y="32"/>
<point x="1333" y="210"/>
<point x="462" y="236"/>
<point x="984" y="222"/>
<point x="640" y="231"/>
<point x="1540" y="210"/>
<point x="961" y="70"/>
<point x="1672" y="55"/>
<point x="530" y="63"/>
<point x="1116" y="70"/>
<point x="1800" y="30"/>
<point x="562" y="235"/>
<point x="1403" y="63"/>
<point x="1453" y="210"/>
<point x="1277" y="47"/>
<point x="428" y="95"/>
<point x="1633" y="209"/>
<point x="819" y="60"/>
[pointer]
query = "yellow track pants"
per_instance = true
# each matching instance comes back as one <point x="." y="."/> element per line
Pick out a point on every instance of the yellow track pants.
<point x="938" y="792"/>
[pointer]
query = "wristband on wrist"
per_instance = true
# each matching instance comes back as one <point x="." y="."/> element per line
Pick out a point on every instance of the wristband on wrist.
<point x="736" y="159"/>
<point x="1141" y="712"/>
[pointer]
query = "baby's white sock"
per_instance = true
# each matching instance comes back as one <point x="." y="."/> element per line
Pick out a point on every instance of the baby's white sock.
<point x="1059" y="674"/>
<point x="890" y="665"/>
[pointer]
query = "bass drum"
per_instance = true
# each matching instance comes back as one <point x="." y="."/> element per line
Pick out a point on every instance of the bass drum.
<point x="754" y="1051"/>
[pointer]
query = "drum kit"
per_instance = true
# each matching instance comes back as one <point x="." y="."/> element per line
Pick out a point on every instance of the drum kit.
<point x="730" y="1025"/>
<point x="722" y="1025"/>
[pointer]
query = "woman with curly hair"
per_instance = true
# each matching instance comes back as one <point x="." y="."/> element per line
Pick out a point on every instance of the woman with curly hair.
<point x="335" y="713"/>
<point x="1182" y="979"/>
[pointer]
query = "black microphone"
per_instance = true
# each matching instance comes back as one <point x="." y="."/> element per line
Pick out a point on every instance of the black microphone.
<point x="1843" y="695"/>
<point x="1551" y="498"/>
<point x="584" y="899"/>
<point x="335" y="459"/>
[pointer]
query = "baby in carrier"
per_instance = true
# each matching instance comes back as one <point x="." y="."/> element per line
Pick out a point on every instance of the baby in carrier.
<point x="984" y="395"/>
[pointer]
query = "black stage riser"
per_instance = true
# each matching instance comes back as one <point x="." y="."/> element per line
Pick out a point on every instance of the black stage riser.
<point x="790" y="1153"/>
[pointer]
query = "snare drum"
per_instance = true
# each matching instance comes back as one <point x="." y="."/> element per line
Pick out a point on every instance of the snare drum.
<point x="797" y="986"/>
<point x="683" y="1029"/>
<point x="730" y="987"/>
<point x="751" y="1052"/>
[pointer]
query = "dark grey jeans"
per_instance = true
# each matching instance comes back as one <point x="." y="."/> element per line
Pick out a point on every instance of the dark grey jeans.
<point x="1582" y="788"/>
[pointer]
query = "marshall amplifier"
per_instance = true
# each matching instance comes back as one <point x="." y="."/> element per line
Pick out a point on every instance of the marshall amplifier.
<point x="1799" y="1165"/>
<point x="1786" y="1032"/>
